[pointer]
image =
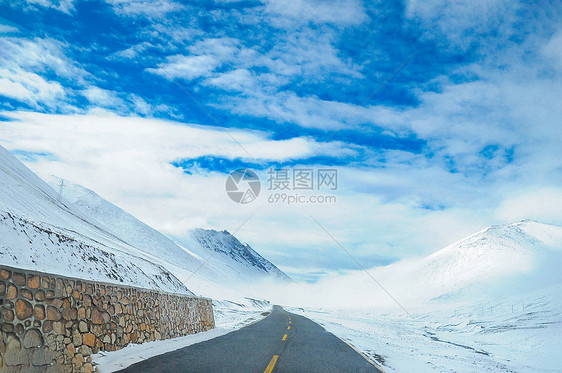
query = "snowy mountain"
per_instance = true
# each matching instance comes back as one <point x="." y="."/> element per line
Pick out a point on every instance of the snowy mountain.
<point x="491" y="302"/>
<point x="40" y="231"/>
<point x="214" y="256"/>
<point x="230" y="251"/>
<point x="75" y="232"/>
<point x="510" y="258"/>
<point x="503" y="260"/>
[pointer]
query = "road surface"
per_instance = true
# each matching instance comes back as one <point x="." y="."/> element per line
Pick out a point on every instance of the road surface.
<point x="282" y="342"/>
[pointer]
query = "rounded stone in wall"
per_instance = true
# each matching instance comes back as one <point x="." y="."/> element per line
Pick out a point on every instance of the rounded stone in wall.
<point x="18" y="279"/>
<point x="33" y="281"/>
<point x="7" y="328"/>
<point x="12" y="292"/>
<point x="8" y="314"/>
<point x="39" y="312"/>
<point x="25" y="293"/>
<point x="23" y="309"/>
<point x="32" y="338"/>
<point x="40" y="295"/>
<point x="53" y="314"/>
<point x="47" y="326"/>
<point x="4" y="275"/>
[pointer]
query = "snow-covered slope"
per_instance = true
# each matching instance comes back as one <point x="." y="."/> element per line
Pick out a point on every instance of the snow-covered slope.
<point x="218" y="259"/>
<point x="39" y="231"/>
<point x="490" y="302"/>
<point x="519" y="333"/>
<point x="123" y="225"/>
<point x="238" y="256"/>
<point x="511" y="257"/>
<point x="498" y="261"/>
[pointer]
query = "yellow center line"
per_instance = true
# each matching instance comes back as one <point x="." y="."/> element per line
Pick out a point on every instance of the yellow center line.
<point x="290" y="322"/>
<point x="269" y="368"/>
<point x="289" y="327"/>
<point x="284" y="337"/>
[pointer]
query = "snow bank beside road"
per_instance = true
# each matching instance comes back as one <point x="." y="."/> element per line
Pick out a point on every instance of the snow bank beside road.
<point x="515" y="334"/>
<point x="229" y="317"/>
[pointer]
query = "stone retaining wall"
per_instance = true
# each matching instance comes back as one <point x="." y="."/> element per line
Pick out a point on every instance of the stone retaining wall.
<point x="51" y="323"/>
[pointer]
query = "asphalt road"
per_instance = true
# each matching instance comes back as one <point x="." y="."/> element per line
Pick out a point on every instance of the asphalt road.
<point x="282" y="342"/>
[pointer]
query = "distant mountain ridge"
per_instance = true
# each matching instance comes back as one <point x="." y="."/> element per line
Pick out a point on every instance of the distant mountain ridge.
<point x="232" y="261"/>
<point x="225" y="243"/>
<point x="513" y="257"/>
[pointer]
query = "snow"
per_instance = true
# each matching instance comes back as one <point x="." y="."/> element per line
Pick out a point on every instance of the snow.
<point x="43" y="232"/>
<point x="93" y="239"/>
<point x="215" y="256"/>
<point x="514" y="334"/>
<point x="133" y="353"/>
<point x="490" y="302"/>
<point x="490" y="261"/>
<point x="229" y="248"/>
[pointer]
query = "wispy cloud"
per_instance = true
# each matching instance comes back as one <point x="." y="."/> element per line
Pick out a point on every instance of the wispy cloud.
<point x="31" y="88"/>
<point x="297" y="12"/>
<point x="145" y="8"/>
<point x="186" y="67"/>
<point x="102" y="97"/>
<point x="42" y="55"/>
<point x="65" y="6"/>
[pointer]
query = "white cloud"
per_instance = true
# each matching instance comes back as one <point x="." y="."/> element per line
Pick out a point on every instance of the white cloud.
<point x="131" y="52"/>
<point x="539" y="203"/>
<point x="146" y="8"/>
<point x="6" y="29"/>
<point x="309" y="112"/>
<point x="65" y="6"/>
<point x="186" y="67"/>
<point x="40" y="56"/>
<point x="30" y="88"/>
<point x="462" y="22"/>
<point x="140" y="105"/>
<point x="102" y="97"/>
<point x="296" y="12"/>
<point x="128" y="160"/>
<point x="308" y="55"/>
<point x="205" y="56"/>
<point x="553" y="49"/>
<point x="236" y="80"/>
<point x="303" y="55"/>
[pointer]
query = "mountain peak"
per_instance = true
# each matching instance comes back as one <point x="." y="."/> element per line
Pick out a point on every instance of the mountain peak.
<point x="229" y="246"/>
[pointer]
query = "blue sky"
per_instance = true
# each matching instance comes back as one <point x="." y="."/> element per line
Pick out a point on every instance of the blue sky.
<point x="441" y="117"/>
